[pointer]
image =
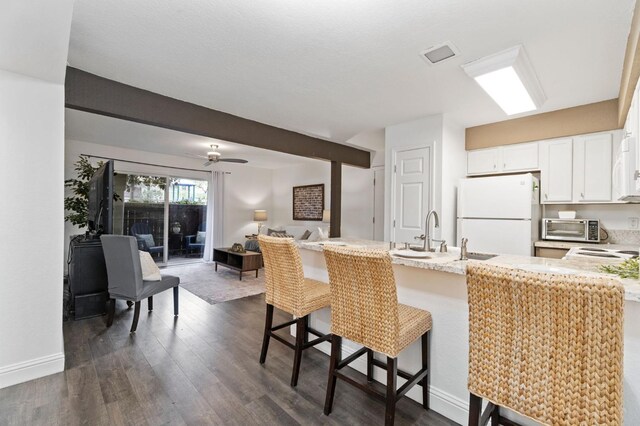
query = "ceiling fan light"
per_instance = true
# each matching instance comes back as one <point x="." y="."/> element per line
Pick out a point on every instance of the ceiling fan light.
<point x="213" y="154"/>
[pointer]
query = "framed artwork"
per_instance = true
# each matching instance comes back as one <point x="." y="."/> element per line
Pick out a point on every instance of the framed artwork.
<point x="308" y="202"/>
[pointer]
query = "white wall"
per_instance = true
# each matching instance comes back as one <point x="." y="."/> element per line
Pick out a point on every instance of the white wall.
<point x="31" y="167"/>
<point x="447" y="139"/>
<point x="246" y="188"/>
<point x="453" y="167"/>
<point x="357" y="197"/>
<point x="284" y="179"/>
<point x="31" y="122"/>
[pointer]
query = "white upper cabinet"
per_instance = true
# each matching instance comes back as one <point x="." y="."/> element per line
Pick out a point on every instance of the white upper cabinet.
<point x="592" y="168"/>
<point x="520" y="157"/>
<point x="483" y="161"/>
<point x="556" y="171"/>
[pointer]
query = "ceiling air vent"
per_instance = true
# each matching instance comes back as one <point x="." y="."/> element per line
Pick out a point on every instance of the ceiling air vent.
<point x="439" y="53"/>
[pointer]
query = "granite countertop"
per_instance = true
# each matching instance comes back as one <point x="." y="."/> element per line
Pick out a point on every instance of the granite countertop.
<point x="571" y="244"/>
<point x="448" y="262"/>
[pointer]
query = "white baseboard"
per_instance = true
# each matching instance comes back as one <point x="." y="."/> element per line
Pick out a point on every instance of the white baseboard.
<point x="441" y="402"/>
<point x="32" y="369"/>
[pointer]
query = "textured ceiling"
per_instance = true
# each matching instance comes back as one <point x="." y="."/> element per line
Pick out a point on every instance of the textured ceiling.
<point x="335" y="68"/>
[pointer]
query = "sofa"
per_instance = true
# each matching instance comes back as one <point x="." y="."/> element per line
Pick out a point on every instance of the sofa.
<point x="295" y="230"/>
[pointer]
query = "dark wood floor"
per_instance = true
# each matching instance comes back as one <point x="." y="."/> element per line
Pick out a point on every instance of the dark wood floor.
<point x="201" y="368"/>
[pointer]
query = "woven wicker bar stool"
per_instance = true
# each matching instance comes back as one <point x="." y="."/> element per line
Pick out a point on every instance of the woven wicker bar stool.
<point x="365" y="310"/>
<point x="546" y="346"/>
<point x="290" y="291"/>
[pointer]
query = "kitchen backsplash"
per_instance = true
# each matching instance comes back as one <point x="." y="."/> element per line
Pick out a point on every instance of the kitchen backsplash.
<point x="623" y="236"/>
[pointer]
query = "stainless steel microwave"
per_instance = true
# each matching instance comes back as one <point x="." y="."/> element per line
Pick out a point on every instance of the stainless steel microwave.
<point x="587" y="230"/>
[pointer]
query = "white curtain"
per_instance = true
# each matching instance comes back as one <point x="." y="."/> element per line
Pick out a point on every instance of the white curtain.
<point x="215" y="217"/>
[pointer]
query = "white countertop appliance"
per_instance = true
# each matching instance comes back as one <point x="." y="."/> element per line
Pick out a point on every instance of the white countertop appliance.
<point x="587" y="230"/>
<point x="625" y="175"/>
<point x="499" y="214"/>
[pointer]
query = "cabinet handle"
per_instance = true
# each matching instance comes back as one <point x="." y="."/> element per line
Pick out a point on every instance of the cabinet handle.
<point x="504" y="165"/>
<point x="494" y="166"/>
<point x="546" y="196"/>
<point x="581" y="195"/>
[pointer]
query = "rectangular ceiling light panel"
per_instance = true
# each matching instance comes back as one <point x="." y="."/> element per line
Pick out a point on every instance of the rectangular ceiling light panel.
<point x="509" y="79"/>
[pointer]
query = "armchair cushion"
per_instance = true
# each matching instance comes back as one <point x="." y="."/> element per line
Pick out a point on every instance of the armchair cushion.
<point x="148" y="239"/>
<point x="200" y="238"/>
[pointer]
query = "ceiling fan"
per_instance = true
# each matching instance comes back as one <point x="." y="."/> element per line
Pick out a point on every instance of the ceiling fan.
<point x="214" y="156"/>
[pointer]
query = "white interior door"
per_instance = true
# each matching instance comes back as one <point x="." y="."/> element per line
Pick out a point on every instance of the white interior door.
<point x="378" y="204"/>
<point x="412" y="193"/>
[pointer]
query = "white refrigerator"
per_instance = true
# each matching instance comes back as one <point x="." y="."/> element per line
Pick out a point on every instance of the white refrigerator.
<point x="499" y="214"/>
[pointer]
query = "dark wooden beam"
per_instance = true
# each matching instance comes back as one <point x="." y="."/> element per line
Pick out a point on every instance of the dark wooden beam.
<point x="336" y="199"/>
<point x="98" y="95"/>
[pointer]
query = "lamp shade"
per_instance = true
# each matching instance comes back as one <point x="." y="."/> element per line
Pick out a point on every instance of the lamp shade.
<point x="326" y="215"/>
<point x="259" y="215"/>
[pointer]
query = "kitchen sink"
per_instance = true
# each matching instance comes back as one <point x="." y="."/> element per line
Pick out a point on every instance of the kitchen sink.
<point x="480" y="256"/>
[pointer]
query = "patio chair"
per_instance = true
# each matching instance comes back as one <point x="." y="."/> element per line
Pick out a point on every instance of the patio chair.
<point x="143" y="233"/>
<point x="193" y="244"/>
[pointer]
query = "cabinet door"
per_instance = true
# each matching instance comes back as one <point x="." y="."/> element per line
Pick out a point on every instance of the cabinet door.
<point x="483" y="161"/>
<point x="556" y="172"/>
<point x="592" y="168"/>
<point x="520" y="157"/>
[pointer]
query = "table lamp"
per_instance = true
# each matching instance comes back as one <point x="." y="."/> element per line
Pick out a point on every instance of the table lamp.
<point x="326" y="218"/>
<point x="259" y="216"/>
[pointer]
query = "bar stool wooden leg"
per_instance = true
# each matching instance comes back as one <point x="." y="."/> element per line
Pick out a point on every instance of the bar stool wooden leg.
<point x="336" y="350"/>
<point x="150" y="303"/>
<point x="425" y="364"/>
<point x="392" y="377"/>
<point x="268" y="322"/>
<point x="475" y="409"/>
<point x="495" y="416"/>
<point x="369" y="365"/>
<point x="306" y="327"/>
<point x="301" y="331"/>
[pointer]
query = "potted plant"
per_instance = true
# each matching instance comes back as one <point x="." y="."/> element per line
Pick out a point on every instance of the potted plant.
<point x="77" y="203"/>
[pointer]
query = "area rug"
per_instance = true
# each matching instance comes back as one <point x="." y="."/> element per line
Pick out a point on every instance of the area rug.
<point x="216" y="287"/>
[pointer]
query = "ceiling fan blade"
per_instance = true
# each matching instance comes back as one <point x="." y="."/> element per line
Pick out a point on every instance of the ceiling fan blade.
<point x="188" y="154"/>
<point x="234" y="160"/>
<point x="208" y="163"/>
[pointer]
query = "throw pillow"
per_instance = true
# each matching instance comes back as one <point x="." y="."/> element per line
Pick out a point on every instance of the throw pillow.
<point x="201" y="237"/>
<point x="306" y="235"/>
<point x="148" y="240"/>
<point x="270" y="231"/>
<point x="150" y="271"/>
<point x="322" y="235"/>
<point x="281" y="234"/>
<point x="252" y="245"/>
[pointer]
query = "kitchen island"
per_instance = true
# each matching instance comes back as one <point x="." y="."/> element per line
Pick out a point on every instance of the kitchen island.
<point x="439" y="286"/>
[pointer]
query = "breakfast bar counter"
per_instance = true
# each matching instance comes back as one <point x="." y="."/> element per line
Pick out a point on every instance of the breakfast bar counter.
<point x="438" y="284"/>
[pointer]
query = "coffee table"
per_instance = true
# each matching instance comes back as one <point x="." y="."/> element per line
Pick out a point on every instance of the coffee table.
<point x="241" y="262"/>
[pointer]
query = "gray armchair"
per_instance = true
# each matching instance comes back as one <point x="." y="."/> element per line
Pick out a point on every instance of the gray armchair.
<point x="125" y="277"/>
